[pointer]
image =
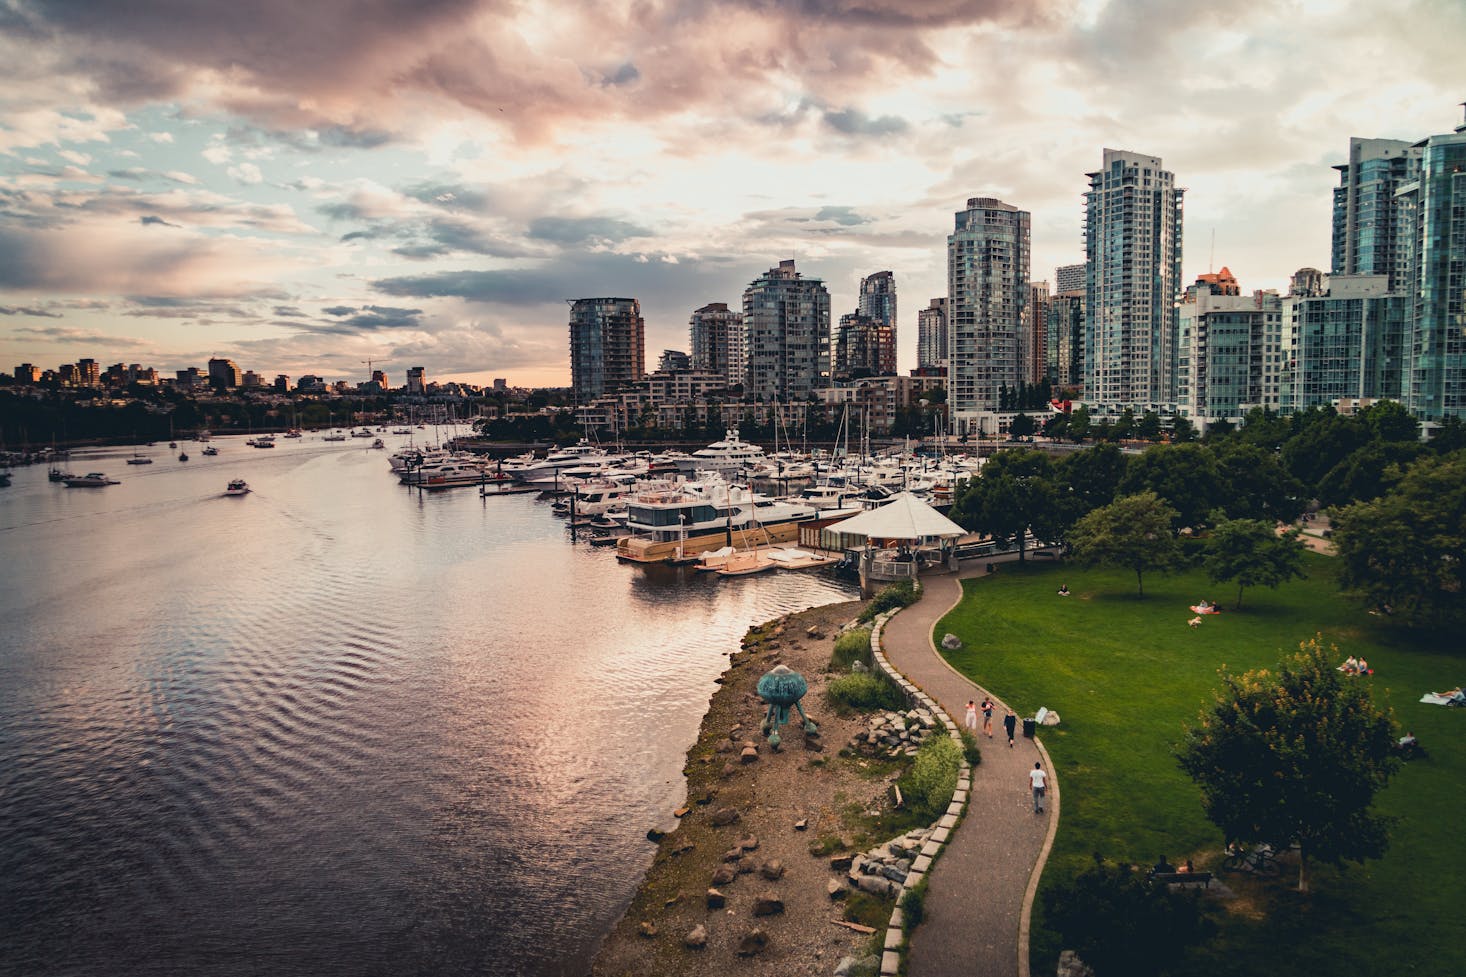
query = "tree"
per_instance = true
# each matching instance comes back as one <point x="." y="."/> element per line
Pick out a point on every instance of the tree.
<point x="1295" y="758"/>
<point x="1091" y="477"/>
<point x="1403" y="551"/>
<point x="1014" y="494"/>
<point x="1023" y="426"/>
<point x="1182" y="430"/>
<point x="1078" y="427"/>
<point x="1184" y="475"/>
<point x="1149" y="426"/>
<point x="1250" y="553"/>
<point x="1388" y="420"/>
<point x="1255" y="485"/>
<point x="1368" y="472"/>
<point x="1119" y="923"/>
<point x="1321" y="442"/>
<point x="1133" y="532"/>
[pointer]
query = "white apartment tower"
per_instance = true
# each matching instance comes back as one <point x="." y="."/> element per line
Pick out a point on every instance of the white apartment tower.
<point x="987" y="292"/>
<point x="1132" y="248"/>
<point x="717" y="342"/>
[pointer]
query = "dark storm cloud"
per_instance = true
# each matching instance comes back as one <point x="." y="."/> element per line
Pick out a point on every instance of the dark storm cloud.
<point x="28" y="310"/>
<point x="853" y="122"/>
<point x="575" y="230"/>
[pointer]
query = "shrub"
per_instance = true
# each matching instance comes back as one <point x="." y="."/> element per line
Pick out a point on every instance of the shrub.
<point x="932" y="780"/>
<point x="1119" y="923"/>
<point x="865" y="692"/>
<point x="969" y="746"/>
<point x="852" y="646"/>
<point x="899" y="594"/>
<point x="913" y="905"/>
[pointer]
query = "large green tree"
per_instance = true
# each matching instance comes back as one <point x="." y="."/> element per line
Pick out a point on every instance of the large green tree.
<point x="1133" y="532"/>
<point x="1368" y="472"/>
<point x="1255" y="485"/>
<point x="1404" y="550"/>
<point x="1295" y="759"/>
<point x="1014" y="494"/>
<point x="1251" y="553"/>
<point x="1185" y="476"/>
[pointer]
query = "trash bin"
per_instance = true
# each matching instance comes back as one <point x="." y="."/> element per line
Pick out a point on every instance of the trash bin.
<point x="1029" y="725"/>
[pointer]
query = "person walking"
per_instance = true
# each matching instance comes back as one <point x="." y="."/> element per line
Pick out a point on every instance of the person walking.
<point x="987" y="715"/>
<point x="1010" y="723"/>
<point x="971" y="720"/>
<point x="1037" y="778"/>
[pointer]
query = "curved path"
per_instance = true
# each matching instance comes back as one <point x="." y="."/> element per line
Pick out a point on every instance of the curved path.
<point x="976" y="912"/>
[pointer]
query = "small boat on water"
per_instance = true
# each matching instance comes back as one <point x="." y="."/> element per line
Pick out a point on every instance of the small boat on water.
<point x="138" y="459"/>
<point x="210" y="451"/>
<point x="336" y="436"/>
<point x="183" y="456"/>
<point x="379" y="443"/>
<point x="237" y="486"/>
<point x="89" y="480"/>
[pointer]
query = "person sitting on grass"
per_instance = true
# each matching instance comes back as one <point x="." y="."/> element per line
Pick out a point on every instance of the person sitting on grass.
<point x="1063" y="590"/>
<point x="1351" y="665"/>
<point x="1456" y="696"/>
<point x="1364" y="668"/>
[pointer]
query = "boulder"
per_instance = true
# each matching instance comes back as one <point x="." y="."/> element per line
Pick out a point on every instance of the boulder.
<point x="683" y="848"/>
<point x="748" y="843"/>
<point x="753" y="943"/>
<point x="951" y="642"/>
<point x="655" y="834"/>
<point x="724" y="875"/>
<point x="732" y="854"/>
<point x="773" y="870"/>
<point x="835" y="889"/>
<point x="802" y="824"/>
<point x="697" y="938"/>
<point x="768" y="906"/>
<point x="749" y="755"/>
<point x="716" y="900"/>
<point x="724" y="816"/>
<point x="647" y="929"/>
<point x="839" y="863"/>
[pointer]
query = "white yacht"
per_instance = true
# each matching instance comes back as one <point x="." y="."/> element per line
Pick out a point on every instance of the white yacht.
<point x="726" y="457"/>
<point x="237" y="486"/>
<point x="544" y="469"/>
<point x="693" y="509"/>
<point x="89" y="480"/>
<point x="446" y="474"/>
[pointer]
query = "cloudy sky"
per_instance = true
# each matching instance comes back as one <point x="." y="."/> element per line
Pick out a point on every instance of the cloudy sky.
<point x="304" y="186"/>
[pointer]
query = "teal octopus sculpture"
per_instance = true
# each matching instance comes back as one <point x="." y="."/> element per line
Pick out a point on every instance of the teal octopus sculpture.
<point x="782" y="687"/>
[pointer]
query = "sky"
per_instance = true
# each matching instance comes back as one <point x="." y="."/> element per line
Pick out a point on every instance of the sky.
<point x="304" y="187"/>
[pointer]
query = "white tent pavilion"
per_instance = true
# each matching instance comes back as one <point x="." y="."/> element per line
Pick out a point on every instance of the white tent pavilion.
<point x="911" y="521"/>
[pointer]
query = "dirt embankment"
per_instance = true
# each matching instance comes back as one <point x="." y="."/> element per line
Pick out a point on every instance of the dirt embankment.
<point x="752" y="827"/>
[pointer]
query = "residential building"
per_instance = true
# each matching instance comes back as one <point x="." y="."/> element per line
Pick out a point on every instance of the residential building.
<point x="1132" y="246"/>
<point x="1034" y="344"/>
<point x="1064" y="339"/>
<point x="223" y="374"/>
<point x="417" y="380"/>
<point x="251" y="380"/>
<point x="878" y="301"/>
<point x="28" y="373"/>
<point x="1069" y="279"/>
<point x="987" y="292"/>
<point x="864" y="347"/>
<point x="1230" y="355"/>
<point x="607" y="346"/>
<point x="717" y="340"/>
<point x="1307" y="282"/>
<point x="89" y="372"/>
<point x="1338" y="344"/>
<point x="189" y="379"/>
<point x="786" y="319"/>
<point x="673" y="359"/>
<point x="1365" y="224"/>
<point x="282" y="383"/>
<point x="931" y="335"/>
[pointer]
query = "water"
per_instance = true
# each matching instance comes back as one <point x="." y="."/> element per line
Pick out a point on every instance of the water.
<point x="333" y="726"/>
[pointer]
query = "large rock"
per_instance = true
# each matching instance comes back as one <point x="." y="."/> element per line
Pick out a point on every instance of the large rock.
<point x="753" y="943"/>
<point x="773" y="870"/>
<point x="768" y="906"/>
<point x="748" y="843"/>
<point x="749" y="755"/>
<point x="716" y="900"/>
<point x="647" y="929"/>
<point x="724" y="875"/>
<point x="951" y="642"/>
<point x="835" y="889"/>
<point x="724" y="816"/>
<point x="697" y="938"/>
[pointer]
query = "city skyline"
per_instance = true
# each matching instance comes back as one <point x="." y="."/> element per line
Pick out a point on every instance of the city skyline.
<point x="427" y="187"/>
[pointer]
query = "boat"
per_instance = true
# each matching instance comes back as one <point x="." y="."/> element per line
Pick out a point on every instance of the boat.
<point x="334" y="436"/>
<point x="365" y="432"/>
<point x="210" y="451"/>
<point x="237" y="486"/>
<point x="729" y="456"/>
<point x="90" y="480"/>
<point x="183" y="456"/>
<point x="676" y="524"/>
<point x="4" y="479"/>
<point x="378" y="443"/>
<point x="263" y="441"/>
<point x="447" y="474"/>
<point x="293" y="433"/>
<point x="400" y="430"/>
<point x="58" y="475"/>
<point x="546" y="469"/>
<point x="138" y="459"/>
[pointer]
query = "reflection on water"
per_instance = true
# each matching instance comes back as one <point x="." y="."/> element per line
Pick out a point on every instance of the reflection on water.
<point x="334" y="726"/>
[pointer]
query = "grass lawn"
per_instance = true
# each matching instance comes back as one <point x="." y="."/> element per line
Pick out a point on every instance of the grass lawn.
<point x="1125" y="673"/>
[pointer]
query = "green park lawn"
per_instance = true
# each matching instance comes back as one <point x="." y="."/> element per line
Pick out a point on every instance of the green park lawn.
<point x="1125" y="673"/>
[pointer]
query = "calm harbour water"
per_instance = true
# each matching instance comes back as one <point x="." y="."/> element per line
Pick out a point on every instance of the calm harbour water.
<point x="334" y="727"/>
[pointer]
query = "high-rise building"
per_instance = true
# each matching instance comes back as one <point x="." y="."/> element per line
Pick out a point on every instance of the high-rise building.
<point x="1034" y="339"/>
<point x="1430" y="277"/>
<point x="27" y="373"/>
<point x="1365" y="225"/>
<point x="931" y="335"/>
<point x="1307" y="282"/>
<point x="1065" y="341"/>
<point x="1132" y="247"/>
<point x="864" y="347"/>
<point x="417" y="380"/>
<point x="223" y="374"/>
<point x="1339" y="345"/>
<point x="607" y="346"/>
<point x="987" y="292"/>
<point x="717" y="342"/>
<point x="1230" y="355"/>
<point x="673" y="359"/>
<point x="1069" y="279"/>
<point x="251" y="380"/>
<point x="786" y="319"/>
<point x="282" y="383"/>
<point x="878" y="300"/>
<point x="90" y="371"/>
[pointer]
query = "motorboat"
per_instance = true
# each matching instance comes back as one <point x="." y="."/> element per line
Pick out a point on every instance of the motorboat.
<point x="448" y="474"/>
<point x="379" y="443"/>
<point x="237" y="486"/>
<point x="710" y="507"/>
<point x="545" y="469"/>
<point x="89" y="480"/>
<point x="263" y="441"/>
<point x="293" y="433"/>
<point x="726" y="457"/>
<point x="139" y="460"/>
<point x="365" y="432"/>
<point x="334" y="436"/>
<point x="210" y="451"/>
<point x="183" y="456"/>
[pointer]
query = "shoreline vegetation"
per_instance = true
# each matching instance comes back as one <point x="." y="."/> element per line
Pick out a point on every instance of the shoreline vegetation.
<point x="751" y="872"/>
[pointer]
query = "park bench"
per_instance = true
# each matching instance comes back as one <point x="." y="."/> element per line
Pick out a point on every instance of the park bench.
<point x="1182" y="878"/>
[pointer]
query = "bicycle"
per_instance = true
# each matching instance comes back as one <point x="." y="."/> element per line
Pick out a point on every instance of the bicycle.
<point x="1262" y="860"/>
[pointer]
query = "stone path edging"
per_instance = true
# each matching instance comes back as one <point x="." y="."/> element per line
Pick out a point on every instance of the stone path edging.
<point x="895" y="942"/>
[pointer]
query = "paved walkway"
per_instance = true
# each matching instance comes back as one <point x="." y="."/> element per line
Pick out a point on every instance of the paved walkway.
<point x="975" y="922"/>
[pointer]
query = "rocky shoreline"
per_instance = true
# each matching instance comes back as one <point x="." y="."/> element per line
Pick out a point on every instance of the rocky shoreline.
<point x="771" y="844"/>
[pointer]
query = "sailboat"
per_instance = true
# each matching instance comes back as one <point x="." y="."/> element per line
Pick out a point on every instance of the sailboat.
<point x="138" y="459"/>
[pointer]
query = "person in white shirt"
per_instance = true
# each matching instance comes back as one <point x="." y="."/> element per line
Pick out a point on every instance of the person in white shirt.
<point x="1038" y="778"/>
